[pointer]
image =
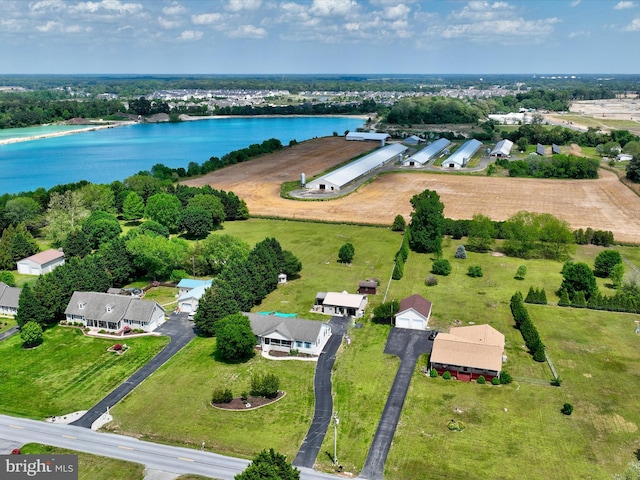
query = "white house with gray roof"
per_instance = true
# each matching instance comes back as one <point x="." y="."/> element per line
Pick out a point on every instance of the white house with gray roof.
<point x="340" y="304"/>
<point x="9" y="298"/>
<point x="284" y="334"/>
<point x="103" y="311"/>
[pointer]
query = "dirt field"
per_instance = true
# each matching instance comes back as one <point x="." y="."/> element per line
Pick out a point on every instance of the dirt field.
<point x="603" y="204"/>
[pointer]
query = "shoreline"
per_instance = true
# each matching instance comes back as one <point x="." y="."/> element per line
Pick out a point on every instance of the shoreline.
<point x="183" y="117"/>
<point x="89" y="128"/>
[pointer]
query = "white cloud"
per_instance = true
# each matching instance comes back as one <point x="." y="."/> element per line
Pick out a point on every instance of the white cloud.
<point x="49" y="26"/>
<point x="111" y="6"/>
<point x="174" y="9"/>
<point x="580" y="33"/>
<point x="634" y="26"/>
<point x="168" y="23"/>
<point x="238" y="5"/>
<point x="575" y="3"/>
<point x="397" y="11"/>
<point x="205" y="18"/>
<point x="248" y="31"/>
<point x="190" y="35"/>
<point x="77" y="29"/>
<point x="623" y="5"/>
<point x="327" y="8"/>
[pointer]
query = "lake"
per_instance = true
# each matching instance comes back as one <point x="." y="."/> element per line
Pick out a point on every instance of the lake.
<point x="103" y="156"/>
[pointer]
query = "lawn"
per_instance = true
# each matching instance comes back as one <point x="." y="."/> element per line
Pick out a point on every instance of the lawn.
<point x="67" y="373"/>
<point x="92" y="467"/>
<point x="6" y="323"/>
<point x="181" y="391"/>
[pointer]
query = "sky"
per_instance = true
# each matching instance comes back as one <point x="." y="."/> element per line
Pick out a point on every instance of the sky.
<point x="319" y="36"/>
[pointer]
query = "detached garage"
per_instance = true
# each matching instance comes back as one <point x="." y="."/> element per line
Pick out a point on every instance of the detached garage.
<point x="414" y="313"/>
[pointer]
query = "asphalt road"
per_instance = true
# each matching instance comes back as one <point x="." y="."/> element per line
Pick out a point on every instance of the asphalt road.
<point x="181" y="330"/>
<point x="166" y="458"/>
<point x="310" y="447"/>
<point x="408" y="345"/>
<point x="9" y="332"/>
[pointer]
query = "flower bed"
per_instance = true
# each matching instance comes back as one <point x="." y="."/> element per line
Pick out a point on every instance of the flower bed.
<point x="253" y="402"/>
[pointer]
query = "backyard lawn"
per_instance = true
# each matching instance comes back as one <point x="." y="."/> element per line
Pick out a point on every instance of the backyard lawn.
<point x="67" y="373"/>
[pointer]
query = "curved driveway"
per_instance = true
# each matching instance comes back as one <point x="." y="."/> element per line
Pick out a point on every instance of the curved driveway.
<point x="408" y="345"/>
<point x="310" y="447"/>
<point x="181" y="330"/>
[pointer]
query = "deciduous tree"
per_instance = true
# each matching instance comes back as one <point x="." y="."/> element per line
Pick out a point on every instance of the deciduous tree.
<point x="235" y="340"/>
<point x="427" y="223"/>
<point x="31" y="334"/>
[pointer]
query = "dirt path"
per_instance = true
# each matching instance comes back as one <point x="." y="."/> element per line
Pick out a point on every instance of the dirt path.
<point x="603" y="204"/>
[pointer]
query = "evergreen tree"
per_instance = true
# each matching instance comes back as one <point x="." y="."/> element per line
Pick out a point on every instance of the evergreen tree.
<point x="346" y="253"/>
<point x="564" y="299"/>
<point x="117" y="261"/>
<point x="399" y="224"/>
<point x="30" y="309"/>
<point x="77" y="244"/>
<point x="217" y="302"/>
<point x="133" y="207"/>
<point x="578" y="277"/>
<point x="427" y="223"/>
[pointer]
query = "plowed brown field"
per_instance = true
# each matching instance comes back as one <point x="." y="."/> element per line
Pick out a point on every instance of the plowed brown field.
<point x="603" y="204"/>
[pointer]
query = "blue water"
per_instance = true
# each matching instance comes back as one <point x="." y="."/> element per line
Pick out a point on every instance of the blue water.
<point x="103" y="156"/>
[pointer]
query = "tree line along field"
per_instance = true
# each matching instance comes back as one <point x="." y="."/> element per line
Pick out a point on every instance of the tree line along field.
<point x="602" y="204"/>
<point x="594" y="352"/>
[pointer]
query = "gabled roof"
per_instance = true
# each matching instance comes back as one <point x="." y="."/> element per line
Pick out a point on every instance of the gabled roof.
<point x="368" y="284"/>
<point x="367" y="136"/>
<point x="95" y="307"/>
<point x="196" y="293"/>
<point x="9" y="296"/>
<point x="477" y="346"/>
<point x="349" y="300"/>
<point x="417" y="303"/>
<point x="289" y="327"/>
<point x="430" y="151"/>
<point x="193" y="283"/>
<point x="503" y="147"/>
<point x="45" y="257"/>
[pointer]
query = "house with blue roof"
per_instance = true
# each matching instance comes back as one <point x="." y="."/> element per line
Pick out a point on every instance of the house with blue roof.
<point x="190" y="291"/>
<point x="187" y="284"/>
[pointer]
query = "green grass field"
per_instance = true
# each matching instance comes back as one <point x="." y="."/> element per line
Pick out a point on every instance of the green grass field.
<point x="512" y="432"/>
<point x="92" y="467"/>
<point x="67" y="373"/>
<point x="181" y="393"/>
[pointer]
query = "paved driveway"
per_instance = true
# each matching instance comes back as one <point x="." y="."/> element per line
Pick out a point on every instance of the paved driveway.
<point x="9" y="332"/>
<point x="181" y="330"/>
<point x="310" y="447"/>
<point x="408" y="345"/>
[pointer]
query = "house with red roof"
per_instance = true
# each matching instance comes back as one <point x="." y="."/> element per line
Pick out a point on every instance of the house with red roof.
<point x="42" y="262"/>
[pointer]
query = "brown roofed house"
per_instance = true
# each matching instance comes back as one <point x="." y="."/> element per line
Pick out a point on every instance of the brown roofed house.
<point x="468" y="352"/>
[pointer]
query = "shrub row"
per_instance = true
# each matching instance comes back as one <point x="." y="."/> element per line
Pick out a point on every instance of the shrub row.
<point x="527" y="328"/>
<point x="265" y="385"/>
<point x="401" y="256"/>
<point x="537" y="296"/>
<point x="626" y="300"/>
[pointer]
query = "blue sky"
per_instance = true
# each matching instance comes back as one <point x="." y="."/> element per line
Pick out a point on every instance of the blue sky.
<point x="319" y="36"/>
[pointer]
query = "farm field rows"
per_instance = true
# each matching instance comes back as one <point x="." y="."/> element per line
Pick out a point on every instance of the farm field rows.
<point x="602" y="204"/>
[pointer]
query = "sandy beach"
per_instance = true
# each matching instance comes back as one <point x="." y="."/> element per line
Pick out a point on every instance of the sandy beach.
<point x="89" y="128"/>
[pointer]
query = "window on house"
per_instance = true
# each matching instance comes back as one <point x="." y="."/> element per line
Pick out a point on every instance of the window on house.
<point x="298" y="343"/>
<point x="108" y="307"/>
<point x="307" y="344"/>
<point x="81" y="305"/>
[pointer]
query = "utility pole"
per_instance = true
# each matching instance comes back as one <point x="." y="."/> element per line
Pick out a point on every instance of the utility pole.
<point x="193" y="265"/>
<point x="335" y="438"/>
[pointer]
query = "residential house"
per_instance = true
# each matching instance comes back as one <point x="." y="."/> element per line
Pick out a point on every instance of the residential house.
<point x="187" y="284"/>
<point x="41" y="263"/>
<point x="468" y="352"/>
<point x="104" y="311"/>
<point x="340" y="304"/>
<point x="9" y="297"/>
<point x="188" y="301"/>
<point x="414" y="313"/>
<point x="284" y="334"/>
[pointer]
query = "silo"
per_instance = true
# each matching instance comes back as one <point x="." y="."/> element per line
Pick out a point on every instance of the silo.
<point x="303" y="180"/>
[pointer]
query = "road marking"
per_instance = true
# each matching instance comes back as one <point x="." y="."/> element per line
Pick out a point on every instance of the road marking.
<point x="186" y="459"/>
<point x="125" y="448"/>
<point x="69" y="436"/>
<point x="16" y="426"/>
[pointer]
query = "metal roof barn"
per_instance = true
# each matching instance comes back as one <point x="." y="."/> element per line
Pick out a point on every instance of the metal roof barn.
<point x="461" y="156"/>
<point x="363" y="136"/>
<point x="502" y="148"/>
<point x="339" y="178"/>
<point x="428" y="152"/>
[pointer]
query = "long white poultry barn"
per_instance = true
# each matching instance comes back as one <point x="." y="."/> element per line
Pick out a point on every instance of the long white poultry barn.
<point x="337" y="179"/>
<point x="427" y="153"/>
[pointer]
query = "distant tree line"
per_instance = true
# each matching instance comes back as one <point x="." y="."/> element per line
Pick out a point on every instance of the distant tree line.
<point x="558" y="166"/>
<point x="432" y="110"/>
